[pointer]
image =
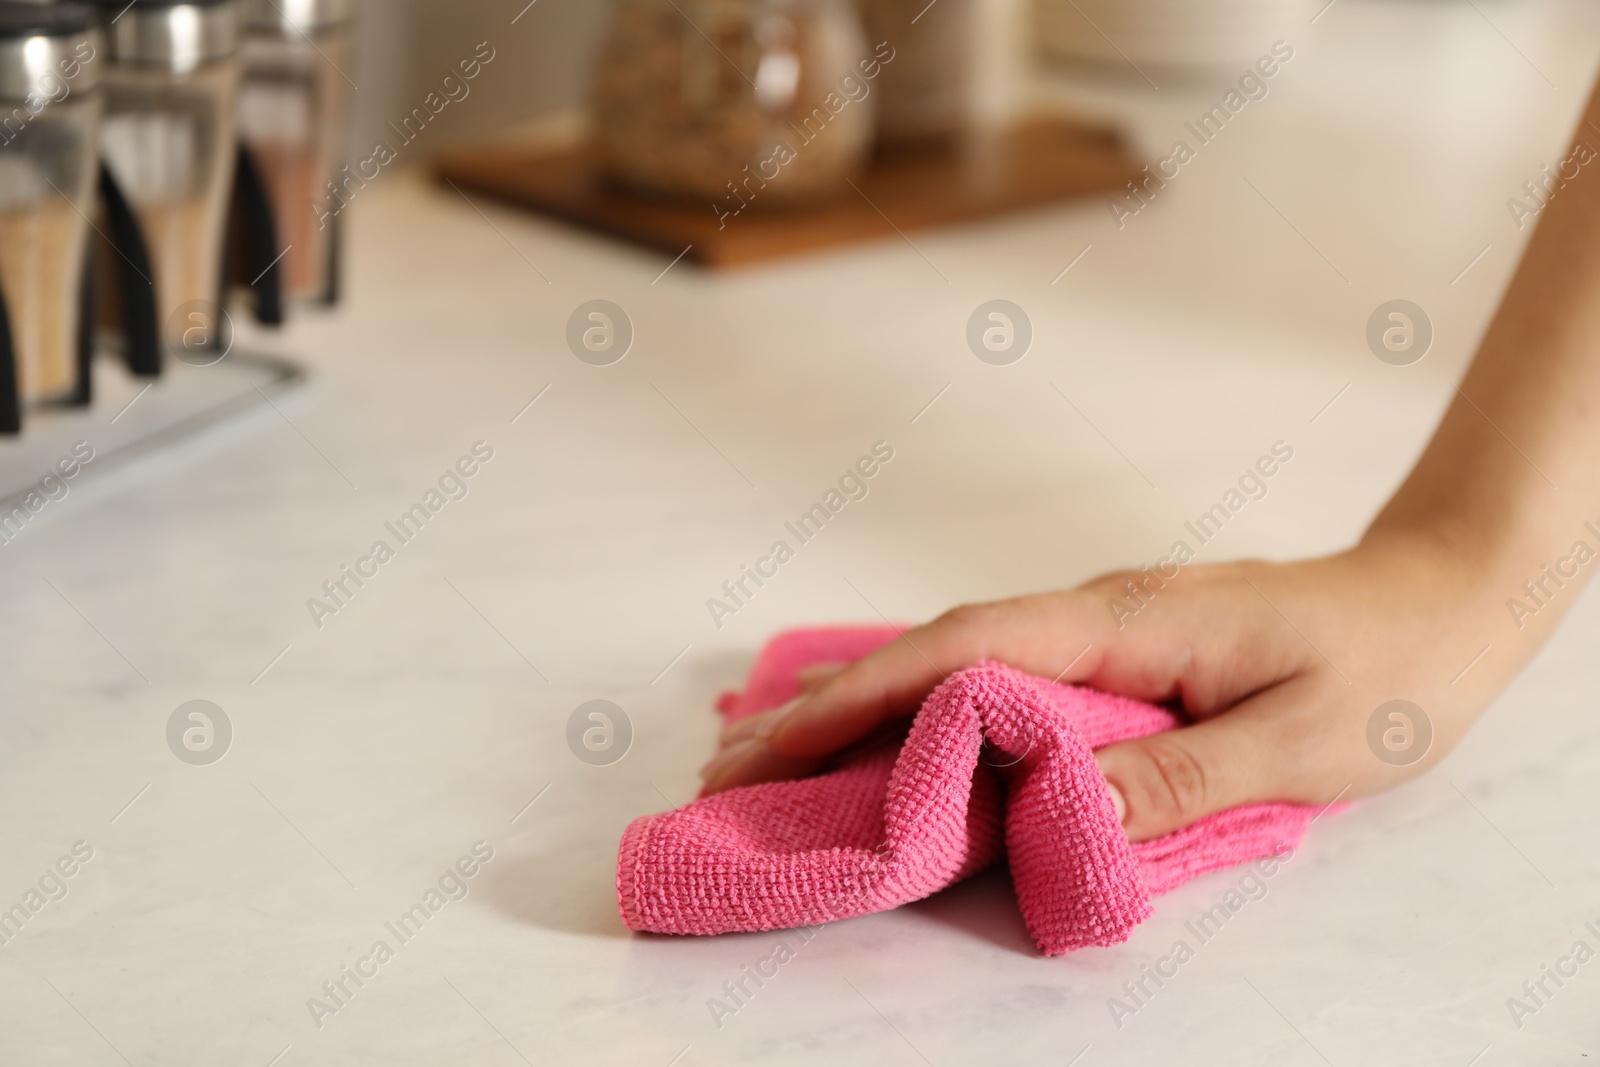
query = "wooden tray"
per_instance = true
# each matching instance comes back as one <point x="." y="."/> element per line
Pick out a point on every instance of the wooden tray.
<point x="1037" y="162"/>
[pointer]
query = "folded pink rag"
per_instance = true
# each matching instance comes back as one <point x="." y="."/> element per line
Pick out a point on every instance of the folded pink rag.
<point x="896" y="824"/>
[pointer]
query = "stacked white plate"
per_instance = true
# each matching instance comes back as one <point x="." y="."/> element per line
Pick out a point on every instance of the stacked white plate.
<point x="1169" y="33"/>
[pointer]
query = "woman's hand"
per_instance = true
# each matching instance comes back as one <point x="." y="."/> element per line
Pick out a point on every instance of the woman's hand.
<point x="1280" y="665"/>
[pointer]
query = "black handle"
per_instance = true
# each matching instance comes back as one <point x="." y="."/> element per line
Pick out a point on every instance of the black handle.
<point x="83" y="385"/>
<point x="262" y="259"/>
<point x="143" y="336"/>
<point x="10" y="405"/>
<point x="335" y="290"/>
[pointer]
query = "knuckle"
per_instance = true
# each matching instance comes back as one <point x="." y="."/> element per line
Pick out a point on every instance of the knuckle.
<point x="1172" y="780"/>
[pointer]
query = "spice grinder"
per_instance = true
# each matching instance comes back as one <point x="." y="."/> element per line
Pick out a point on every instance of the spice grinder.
<point x="51" y="61"/>
<point x="292" y="119"/>
<point x="169" y="140"/>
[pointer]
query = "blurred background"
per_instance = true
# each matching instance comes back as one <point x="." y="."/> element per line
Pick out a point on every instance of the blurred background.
<point x="278" y="273"/>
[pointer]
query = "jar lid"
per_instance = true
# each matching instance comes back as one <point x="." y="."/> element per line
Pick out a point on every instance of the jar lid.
<point x="181" y="34"/>
<point x="296" y="16"/>
<point x="20" y="19"/>
<point x="45" y="51"/>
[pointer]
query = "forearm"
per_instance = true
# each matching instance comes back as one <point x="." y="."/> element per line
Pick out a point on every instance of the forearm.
<point x="1513" y="473"/>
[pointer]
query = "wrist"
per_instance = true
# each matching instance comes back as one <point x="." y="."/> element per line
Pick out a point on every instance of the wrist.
<point x="1506" y="581"/>
<point x="1448" y="562"/>
<point x="1474" y="550"/>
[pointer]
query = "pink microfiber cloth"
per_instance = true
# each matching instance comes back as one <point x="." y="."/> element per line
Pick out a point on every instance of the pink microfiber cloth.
<point x="997" y="763"/>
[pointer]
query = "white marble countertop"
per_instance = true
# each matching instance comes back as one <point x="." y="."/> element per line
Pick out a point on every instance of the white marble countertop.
<point x="430" y="711"/>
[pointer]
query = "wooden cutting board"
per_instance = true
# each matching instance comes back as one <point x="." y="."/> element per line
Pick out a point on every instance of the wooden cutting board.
<point x="1037" y="162"/>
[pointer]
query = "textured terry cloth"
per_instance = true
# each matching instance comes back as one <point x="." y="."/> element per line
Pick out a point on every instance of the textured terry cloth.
<point x="996" y="764"/>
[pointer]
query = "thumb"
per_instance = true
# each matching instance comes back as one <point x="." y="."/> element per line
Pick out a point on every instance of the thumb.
<point x="1166" y="781"/>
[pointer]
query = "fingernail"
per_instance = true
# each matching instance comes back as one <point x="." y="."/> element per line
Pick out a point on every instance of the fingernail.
<point x="751" y="725"/>
<point x="813" y="675"/>
<point x="1117" y="802"/>
<point x="725" y="759"/>
<point x="769" y="726"/>
<point x="740" y="729"/>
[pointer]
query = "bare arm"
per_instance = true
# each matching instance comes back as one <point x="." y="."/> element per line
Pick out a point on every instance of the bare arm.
<point x="1283" y="666"/>
<point x="1513" y="471"/>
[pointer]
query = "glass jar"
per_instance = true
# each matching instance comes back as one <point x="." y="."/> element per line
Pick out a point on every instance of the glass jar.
<point x="169" y="138"/>
<point x="292" y="112"/>
<point x="50" y="59"/>
<point x="738" y="101"/>
<point x="925" y="90"/>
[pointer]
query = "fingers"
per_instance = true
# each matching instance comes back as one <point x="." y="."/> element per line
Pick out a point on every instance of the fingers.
<point x="1209" y="647"/>
<point x="737" y="763"/>
<point x="743" y="757"/>
<point x="749" y="761"/>
<point x="887" y="683"/>
<point x="810" y="678"/>
<point x="892" y="682"/>
<point x="813" y="675"/>
<point x="746" y="728"/>
<point x="839" y="709"/>
<point x="755" y="725"/>
<point x="1273" y="747"/>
